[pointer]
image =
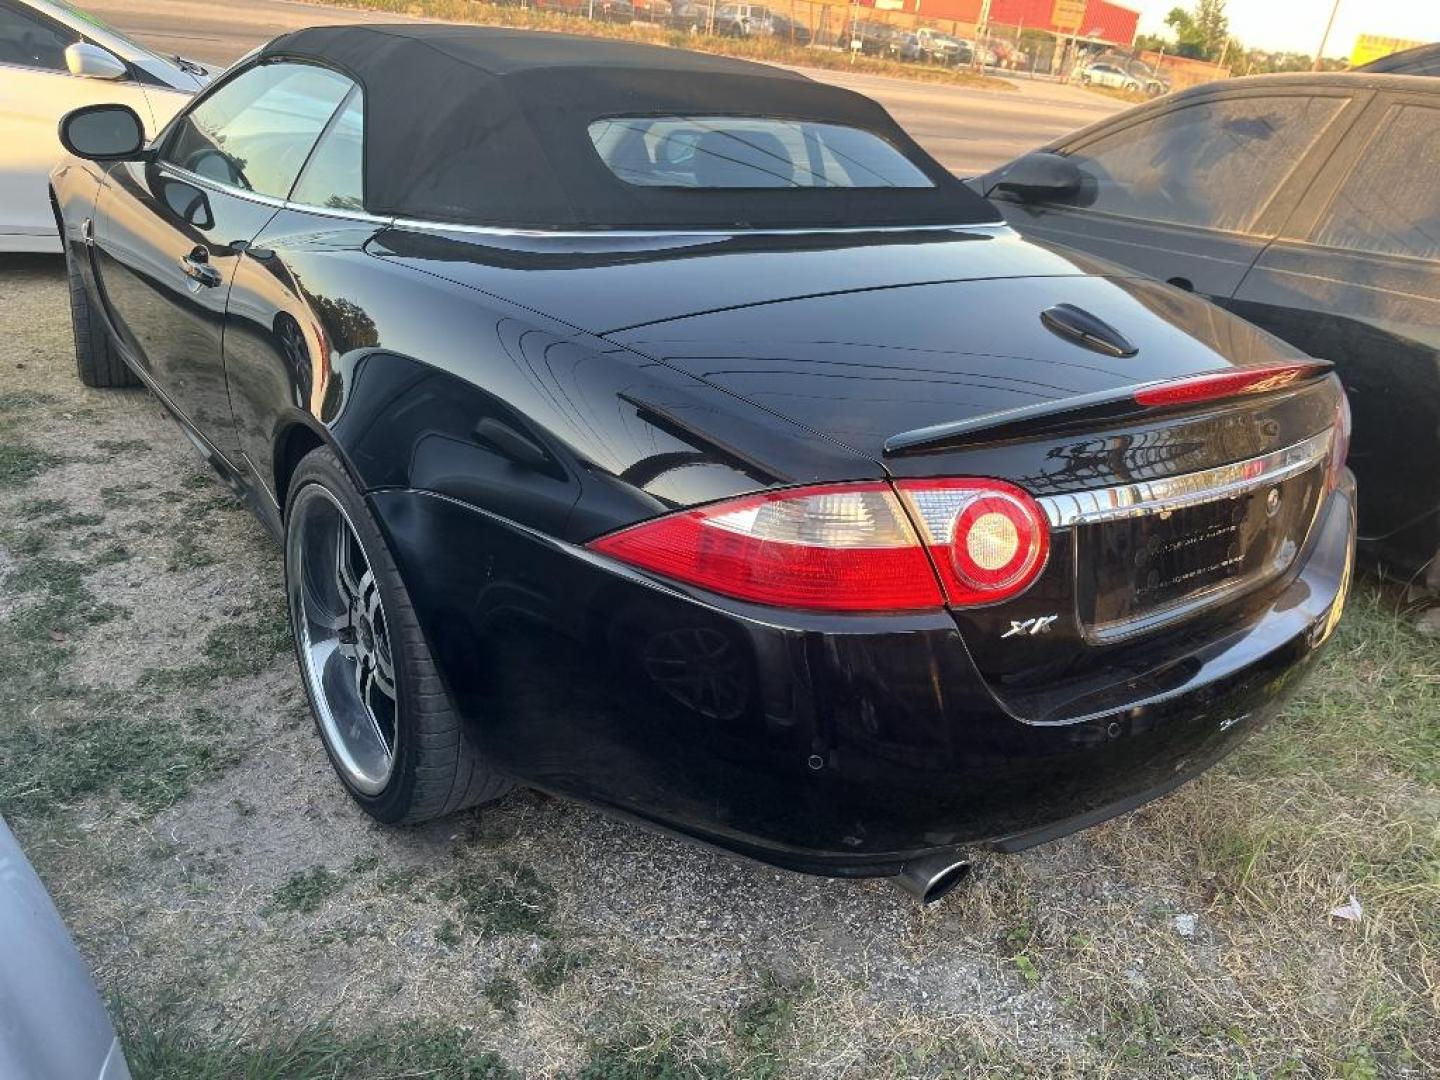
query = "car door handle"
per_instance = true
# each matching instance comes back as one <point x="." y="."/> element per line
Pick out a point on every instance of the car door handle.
<point x="196" y="267"/>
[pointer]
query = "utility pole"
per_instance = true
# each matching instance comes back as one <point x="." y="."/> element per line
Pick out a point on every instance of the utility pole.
<point x="1325" y="40"/>
<point x="982" y="30"/>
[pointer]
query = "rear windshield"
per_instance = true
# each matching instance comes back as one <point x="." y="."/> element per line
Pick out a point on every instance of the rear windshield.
<point x="749" y="152"/>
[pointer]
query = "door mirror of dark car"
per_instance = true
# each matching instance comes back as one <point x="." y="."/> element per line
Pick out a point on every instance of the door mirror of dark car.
<point x="103" y="133"/>
<point x="1037" y="177"/>
<point x="93" y="62"/>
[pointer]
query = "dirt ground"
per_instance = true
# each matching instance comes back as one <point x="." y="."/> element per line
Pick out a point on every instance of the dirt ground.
<point x="158" y="762"/>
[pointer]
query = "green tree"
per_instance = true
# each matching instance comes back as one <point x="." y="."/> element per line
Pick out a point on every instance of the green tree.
<point x="1187" y="38"/>
<point x="1260" y="62"/>
<point x="1213" y="25"/>
<point x="1202" y="32"/>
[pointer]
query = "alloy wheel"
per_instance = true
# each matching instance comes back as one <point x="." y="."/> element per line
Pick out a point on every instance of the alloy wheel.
<point x="342" y="638"/>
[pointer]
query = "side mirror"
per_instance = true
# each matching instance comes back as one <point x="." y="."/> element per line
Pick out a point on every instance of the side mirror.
<point x="103" y="133"/>
<point x="93" y="62"/>
<point x="1037" y="177"/>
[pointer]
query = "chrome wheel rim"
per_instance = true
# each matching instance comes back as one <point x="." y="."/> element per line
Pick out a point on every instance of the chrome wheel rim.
<point x="343" y="638"/>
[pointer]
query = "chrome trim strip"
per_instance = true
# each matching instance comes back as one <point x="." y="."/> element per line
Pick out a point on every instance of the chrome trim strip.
<point x="359" y="217"/>
<point x="1148" y="622"/>
<point x="998" y="227"/>
<point x="1189" y="489"/>
<point x="216" y="186"/>
<point x="362" y="217"/>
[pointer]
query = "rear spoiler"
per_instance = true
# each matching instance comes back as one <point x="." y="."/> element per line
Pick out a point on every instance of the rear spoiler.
<point x="1124" y="403"/>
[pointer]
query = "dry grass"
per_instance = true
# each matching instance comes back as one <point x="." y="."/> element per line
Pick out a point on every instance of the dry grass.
<point x="772" y="50"/>
<point x="157" y="761"/>
<point x="1135" y="97"/>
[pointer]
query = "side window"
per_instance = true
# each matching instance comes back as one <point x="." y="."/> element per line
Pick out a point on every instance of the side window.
<point x="1390" y="202"/>
<point x="27" y="41"/>
<point x="1215" y="164"/>
<point x="334" y="175"/>
<point x="256" y="130"/>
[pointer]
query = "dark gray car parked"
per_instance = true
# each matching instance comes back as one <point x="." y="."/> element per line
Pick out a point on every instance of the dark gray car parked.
<point x="1421" y="60"/>
<point x="1308" y="204"/>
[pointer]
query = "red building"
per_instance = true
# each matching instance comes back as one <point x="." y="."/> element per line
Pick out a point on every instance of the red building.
<point x="1103" y="20"/>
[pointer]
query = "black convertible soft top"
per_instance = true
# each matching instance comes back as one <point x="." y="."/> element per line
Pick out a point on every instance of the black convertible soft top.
<point x="485" y="126"/>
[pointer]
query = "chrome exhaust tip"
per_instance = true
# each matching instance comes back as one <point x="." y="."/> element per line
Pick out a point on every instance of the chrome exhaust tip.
<point x="934" y="877"/>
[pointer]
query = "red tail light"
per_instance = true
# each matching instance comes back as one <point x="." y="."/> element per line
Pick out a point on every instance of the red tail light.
<point x="1224" y="384"/>
<point x="846" y="547"/>
<point x="989" y="539"/>
<point x="849" y="547"/>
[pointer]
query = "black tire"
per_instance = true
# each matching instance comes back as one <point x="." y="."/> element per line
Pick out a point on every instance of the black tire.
<point x="436" y="770"/>
<point x="97" y="361"/>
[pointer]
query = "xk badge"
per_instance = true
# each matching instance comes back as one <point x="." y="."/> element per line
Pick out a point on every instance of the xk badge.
<point x="1029" y="627"/>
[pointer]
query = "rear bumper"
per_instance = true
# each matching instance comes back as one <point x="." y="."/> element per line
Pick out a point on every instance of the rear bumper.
<point x="841" y="745"/>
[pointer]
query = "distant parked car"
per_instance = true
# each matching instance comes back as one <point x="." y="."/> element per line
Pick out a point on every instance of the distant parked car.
<point x="907" y="47"/>
<point x="1422" y="60"/>
<point x="985" y="55"/>
<point x="940" y="48"/>
<point x="1009" y="56"/>
<point x="744" y="20"/>
<point x="1307" y="204"/>
<point x="692" y="16"/>
<point x="791" y="30"/>
<point x="1149" y="81"/>
<point x="1155" y="85"/>
<point x="1109" y="75"/>
<point x="52" y="1022"/>
<point x="652" y="11"/>
<point x="876" y="38"/>
<point x="617" y="11"/>
<point x="53" y="58"/>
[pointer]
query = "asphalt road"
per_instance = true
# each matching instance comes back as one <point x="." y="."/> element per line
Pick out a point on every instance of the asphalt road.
<point x="968" y="130"/>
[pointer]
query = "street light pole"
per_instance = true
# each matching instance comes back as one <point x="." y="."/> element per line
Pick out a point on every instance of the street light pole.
<point x="1325" y="40"/>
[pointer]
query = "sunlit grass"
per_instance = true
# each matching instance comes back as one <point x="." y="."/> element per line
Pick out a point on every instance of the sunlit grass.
<point x="1336" y="798"/>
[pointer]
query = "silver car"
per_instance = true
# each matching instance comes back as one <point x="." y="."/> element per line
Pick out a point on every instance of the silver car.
<point x="54" y="58"/>
<point x="1102" y="74"/>
<point x="52" y="1023"/>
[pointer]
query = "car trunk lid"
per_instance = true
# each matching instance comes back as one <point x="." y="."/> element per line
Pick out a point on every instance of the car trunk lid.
<point x="1163" y="519"/>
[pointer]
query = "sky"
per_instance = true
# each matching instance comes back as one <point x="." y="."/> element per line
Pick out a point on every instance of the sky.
<point x="1296" y="25"/>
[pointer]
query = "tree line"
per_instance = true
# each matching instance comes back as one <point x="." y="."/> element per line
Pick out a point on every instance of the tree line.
<point x="1202" y="32"/>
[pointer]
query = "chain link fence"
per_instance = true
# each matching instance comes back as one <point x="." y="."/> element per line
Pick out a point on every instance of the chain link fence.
<point x="775" y="29"/>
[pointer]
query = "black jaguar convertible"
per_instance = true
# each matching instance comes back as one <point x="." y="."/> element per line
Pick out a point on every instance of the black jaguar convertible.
<point x="673" y="433"/>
